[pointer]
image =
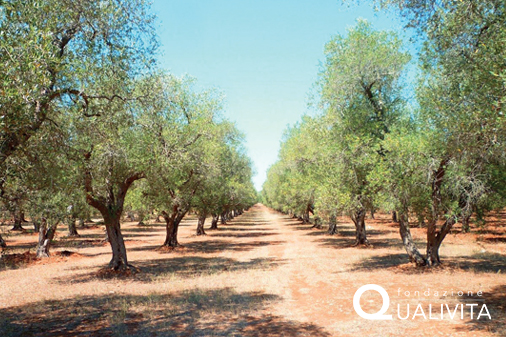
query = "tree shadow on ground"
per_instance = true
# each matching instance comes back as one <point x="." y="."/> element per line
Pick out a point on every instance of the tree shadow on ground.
<point x="215" y="246"/>
<point x="80" y="243"/>
<point x="480" y="263"/>
<point x="379" y="262"/>
<point x="494" y="239"/>
<point x="242" y="235"/>
<point x="244" y="223"/>
<point x="210" y="246"/>
<point x="23" y="246"/>
<point x="143" y="229"/>
<point x="188" y="266"/>
<point x="317" y="232"/>
<point x="217" y="312"/>
<point x="236" y="229"/>
<point x="496" y="305"/>
<point x="347" y="241"/>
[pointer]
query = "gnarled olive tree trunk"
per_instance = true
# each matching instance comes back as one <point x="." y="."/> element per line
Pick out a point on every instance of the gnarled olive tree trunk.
<point x="172" y="225"/>
<point x="46" y="236"/>
<point x="111" y="208"/>
<point x="72" y="226"/>
<point x="305" y="218"/>
<point x="17" y="215"/>
<point x="119" y="259"/>
<point x="358" y="218"/>
<point x="407" y="240"/>
<point x="200" y="224"/>
<point x="214" y="222"/>
<point x="435" y="239"/>
<point x="434" y="236"/>
<point x="332" y="225"/>
<point x="2" y="242"/>
<point x="224" y="217"/>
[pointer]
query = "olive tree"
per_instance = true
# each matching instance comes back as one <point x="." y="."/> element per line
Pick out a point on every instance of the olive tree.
<point x="179" y="123"/>
<point x="361" y="95"/>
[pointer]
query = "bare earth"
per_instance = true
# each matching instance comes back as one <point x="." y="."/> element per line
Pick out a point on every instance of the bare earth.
<point x="263" y="274"/>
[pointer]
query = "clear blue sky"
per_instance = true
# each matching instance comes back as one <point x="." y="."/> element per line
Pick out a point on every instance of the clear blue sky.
<point x="263" y="54"/>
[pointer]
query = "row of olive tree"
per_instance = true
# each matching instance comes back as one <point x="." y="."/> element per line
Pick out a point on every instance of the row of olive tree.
<point x="438" y="156"/>
<point x="86" y="116"/>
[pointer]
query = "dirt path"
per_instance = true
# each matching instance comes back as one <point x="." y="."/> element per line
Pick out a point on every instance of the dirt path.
<point x="262" y="274"/>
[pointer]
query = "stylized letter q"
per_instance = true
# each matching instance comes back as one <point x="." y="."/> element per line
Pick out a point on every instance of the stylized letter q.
<point x="376" y="316"/>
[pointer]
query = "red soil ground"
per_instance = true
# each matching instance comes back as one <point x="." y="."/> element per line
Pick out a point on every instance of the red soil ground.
<point x="263" y="274"/>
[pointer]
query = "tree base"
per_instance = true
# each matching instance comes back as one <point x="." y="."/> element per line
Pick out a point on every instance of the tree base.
<point x="168" y="248"/>
<point x="123" y="271"/>
<point x="365" y="243"/>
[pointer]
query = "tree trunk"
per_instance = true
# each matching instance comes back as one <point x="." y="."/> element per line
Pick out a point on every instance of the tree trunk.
<point x="332" y="225"/>
<point x="45" y="238"/>
<point x="361" y="235"/>
<point x="214" y="222"/>
<point x="180" y="217"/>
<point x="2" y="242"/>
<point x="421" y="220"/>
<point x="200" y="225"/>
<point x="317" y="223"/>
<point x="72" y="226"/>
<point x="224" y="218"/>
<point x="305" y="217"/>
<point x="113" y="229"/>
<point x="81" y="223"/>
<point x="172" y="226"/>
<point x="372" y="213"/>
<point x="111" y="209"/>
<point x="410" y="246"/>
<point x="169" y="230"/>
<point x="394" y="216"/>
<point x="18" y="220"/>
<point x="435" y="239"/>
